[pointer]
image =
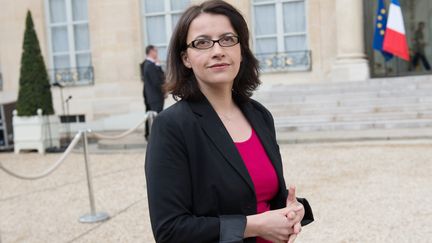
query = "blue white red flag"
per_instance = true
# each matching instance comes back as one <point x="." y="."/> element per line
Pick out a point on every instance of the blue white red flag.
<point x="380" y="28"/>
<point x="395" y="41"/>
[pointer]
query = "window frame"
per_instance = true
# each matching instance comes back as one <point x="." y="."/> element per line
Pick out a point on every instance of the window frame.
<point x="168" y="14"/>
<point x="280" y="33"/>
<point x="72" y="52"/>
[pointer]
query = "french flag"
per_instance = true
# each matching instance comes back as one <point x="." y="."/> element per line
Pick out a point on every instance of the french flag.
<point x="395" y="41"/>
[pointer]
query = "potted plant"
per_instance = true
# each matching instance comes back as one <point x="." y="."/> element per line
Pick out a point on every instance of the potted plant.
<point x="35" y="126"/>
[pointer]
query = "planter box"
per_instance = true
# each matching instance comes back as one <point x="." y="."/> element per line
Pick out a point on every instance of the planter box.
<point x="35" y="132"/>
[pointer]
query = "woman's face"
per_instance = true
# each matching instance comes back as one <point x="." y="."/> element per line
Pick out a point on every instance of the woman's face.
<point x="216" y="65"/>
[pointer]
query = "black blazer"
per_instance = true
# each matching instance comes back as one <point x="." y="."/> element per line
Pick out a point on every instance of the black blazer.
<point x="153" y="77"/>
<point x="198" y="187"/>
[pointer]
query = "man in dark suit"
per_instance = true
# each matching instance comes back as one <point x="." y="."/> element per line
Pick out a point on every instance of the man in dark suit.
<point x="153" y="77"/>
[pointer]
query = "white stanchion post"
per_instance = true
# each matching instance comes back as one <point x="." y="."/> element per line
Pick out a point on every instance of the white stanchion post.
<point x="150" y="118"/>
<point x="94" y="216"/>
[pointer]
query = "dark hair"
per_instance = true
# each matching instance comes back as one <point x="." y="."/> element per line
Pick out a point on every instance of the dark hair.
<point x="149" y="48"/>
<point x="181" y="81"/>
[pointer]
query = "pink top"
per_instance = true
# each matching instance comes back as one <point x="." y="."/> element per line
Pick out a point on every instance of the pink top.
<point x="261" y="171"/>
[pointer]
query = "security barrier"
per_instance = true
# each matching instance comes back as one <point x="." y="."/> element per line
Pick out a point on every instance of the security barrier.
<point x="93" y="216"/>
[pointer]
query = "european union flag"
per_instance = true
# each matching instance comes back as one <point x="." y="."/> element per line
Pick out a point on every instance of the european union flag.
<point x="380" y="28"/>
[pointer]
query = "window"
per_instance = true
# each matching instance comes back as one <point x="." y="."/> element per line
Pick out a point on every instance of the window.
<point x="280" y="37"/>
<point x="69" y="41"/>
<point x="79" y="118"/>
<point x="159" y="20"/>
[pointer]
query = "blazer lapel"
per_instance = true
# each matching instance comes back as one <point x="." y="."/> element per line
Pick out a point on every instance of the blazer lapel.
<point x="216" y="131"/>
<point x="264" y="133"/>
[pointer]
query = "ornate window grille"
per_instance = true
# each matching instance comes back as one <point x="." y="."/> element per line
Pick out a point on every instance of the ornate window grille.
<point x="287" y="61"/>
<point x="72" y="76"/>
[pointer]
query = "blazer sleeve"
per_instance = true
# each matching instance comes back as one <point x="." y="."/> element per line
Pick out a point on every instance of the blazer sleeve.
<point x="308" y="217"/>
<point x="169" y="190"/>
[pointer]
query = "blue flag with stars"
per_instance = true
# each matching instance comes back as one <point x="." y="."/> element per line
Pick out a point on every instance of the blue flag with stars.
<point x="380" y="28"/>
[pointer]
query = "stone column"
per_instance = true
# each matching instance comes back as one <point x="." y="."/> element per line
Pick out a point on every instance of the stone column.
<point x="351" y="63"/>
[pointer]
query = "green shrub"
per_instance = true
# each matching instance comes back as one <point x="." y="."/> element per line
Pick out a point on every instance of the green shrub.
<point x="34" y="86"/>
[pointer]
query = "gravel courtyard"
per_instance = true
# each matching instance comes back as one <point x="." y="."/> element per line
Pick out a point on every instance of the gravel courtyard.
<point x="360" y="192"/>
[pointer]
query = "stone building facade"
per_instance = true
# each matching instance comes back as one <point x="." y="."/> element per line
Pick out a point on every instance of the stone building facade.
<point x="94" y="47"/>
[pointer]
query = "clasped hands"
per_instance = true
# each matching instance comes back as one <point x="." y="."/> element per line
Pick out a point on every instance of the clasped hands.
<point x="280" y="225"/>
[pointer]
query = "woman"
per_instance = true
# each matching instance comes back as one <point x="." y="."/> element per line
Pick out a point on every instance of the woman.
<point x="213" y="167"/>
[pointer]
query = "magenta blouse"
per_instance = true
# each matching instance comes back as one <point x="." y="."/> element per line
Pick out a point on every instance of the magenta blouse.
<point x="261" y="171"/>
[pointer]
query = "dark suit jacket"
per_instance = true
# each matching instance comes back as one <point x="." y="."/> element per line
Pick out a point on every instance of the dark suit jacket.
<point x="153" y="78"/>
<point x="199" y="189"/>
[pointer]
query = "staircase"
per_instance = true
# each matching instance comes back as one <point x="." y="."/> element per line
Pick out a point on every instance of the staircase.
<point x="386" y="108"/>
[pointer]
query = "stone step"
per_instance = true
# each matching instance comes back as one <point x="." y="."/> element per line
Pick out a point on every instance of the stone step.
<point x="357" y="125"/>
<point x="278" y="97"/>
<point x="342" y="87"/>
<point x="389" y="103"/>
<point x="334" y="105"/>
<point x="365" y="87"/>
<point x="372" y="84"/>
<point x="282" y="111"/>
<point x="331" y="100"/>
<point x="356" y="117"/>
<point x="282" y="98"/>
<point x="354" y="135"/>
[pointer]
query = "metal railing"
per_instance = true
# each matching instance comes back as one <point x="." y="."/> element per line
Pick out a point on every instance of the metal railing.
<point x="285" y="61"/>
<point x="72" y="76"/>
<point x="93" y="216"/>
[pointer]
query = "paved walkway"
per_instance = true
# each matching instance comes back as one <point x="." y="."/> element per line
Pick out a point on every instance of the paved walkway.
<point x="360" y="192"/>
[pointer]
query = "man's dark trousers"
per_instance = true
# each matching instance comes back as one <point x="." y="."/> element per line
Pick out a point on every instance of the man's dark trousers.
<point x="153" y="78"/>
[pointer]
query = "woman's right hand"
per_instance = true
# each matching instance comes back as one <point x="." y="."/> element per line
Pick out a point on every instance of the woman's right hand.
<point x="272" y="225"/>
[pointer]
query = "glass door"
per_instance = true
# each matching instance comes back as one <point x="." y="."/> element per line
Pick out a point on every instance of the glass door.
<point x="417" y="16"/>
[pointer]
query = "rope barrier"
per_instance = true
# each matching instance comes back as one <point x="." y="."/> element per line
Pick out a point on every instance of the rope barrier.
<point x="93" y="216"/>
<point x="150" y="115"/>
<point x="49" y="170"/>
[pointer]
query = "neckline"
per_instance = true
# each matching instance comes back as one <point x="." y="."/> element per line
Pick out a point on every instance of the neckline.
<point x="248" y="139"/>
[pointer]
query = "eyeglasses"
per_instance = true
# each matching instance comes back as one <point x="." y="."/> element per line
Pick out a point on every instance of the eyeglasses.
<point x="225" y="41"/>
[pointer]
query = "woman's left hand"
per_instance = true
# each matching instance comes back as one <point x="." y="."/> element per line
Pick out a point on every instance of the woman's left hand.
<point x="294" y="216"/>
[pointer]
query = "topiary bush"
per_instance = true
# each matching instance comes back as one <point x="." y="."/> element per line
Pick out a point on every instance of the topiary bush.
<point x="34" y="86"/>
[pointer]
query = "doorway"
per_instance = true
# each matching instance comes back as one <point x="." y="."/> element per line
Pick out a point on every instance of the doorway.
<point x="414" y="12"/>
